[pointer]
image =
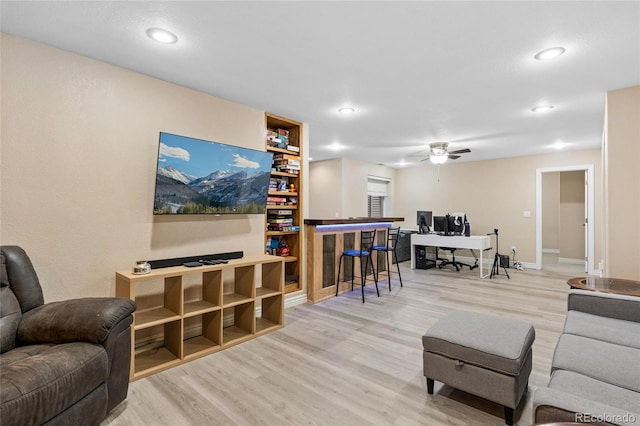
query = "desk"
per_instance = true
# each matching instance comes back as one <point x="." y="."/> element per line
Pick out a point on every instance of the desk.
<point x="474" y="242"/>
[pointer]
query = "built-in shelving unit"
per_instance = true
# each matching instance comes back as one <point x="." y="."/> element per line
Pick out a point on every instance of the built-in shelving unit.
<point x="283" y="235"/>
<point x="201" y="310"/>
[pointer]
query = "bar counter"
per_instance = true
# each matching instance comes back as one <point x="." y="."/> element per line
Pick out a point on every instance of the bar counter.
<point x="326" y="239"/>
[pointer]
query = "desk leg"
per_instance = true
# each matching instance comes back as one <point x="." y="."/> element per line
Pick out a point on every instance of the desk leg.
<point x="482" y="265"/>
<point x="413" y="256"/>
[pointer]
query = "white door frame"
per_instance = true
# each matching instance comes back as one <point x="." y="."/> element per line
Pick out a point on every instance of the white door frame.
<point x="589" y="170"/>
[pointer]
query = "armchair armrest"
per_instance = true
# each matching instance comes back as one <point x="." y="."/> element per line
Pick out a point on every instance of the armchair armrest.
<point x="556" y="406"/>
<point x="77" y="320"/>
<point x="605" y="304"/>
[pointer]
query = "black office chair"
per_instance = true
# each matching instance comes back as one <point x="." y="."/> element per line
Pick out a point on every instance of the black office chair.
<point x="444" y="261"/>
<point x="453" y="261"/>
<point x="367" y="239"/>
<point x="390" y="247"/>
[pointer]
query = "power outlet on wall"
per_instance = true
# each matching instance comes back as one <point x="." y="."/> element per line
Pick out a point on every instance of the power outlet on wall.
<point x="513" y="249"/>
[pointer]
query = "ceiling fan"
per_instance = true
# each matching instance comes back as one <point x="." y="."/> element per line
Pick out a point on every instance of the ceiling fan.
<point x="439" y="153"/>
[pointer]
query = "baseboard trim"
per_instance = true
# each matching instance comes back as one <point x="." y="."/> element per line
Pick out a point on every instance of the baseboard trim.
<point x="571" y="261"/>
<point x="295" y="299"/>
<point x="552" y="251"/>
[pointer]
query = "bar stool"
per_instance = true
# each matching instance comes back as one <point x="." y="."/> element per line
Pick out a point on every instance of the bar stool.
<point x="390" y="247"/>
<point x="364" y="254"/>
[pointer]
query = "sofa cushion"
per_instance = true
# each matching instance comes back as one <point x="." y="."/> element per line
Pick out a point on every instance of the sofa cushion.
<point x="585" y="387"/>
<point x="610" y="363"/>
<point x="37" y="382"/>
<point x="620" y="332"/>
<point x="495" y="343"/>
<point x="558" y="407"/>
<point x="10" y="316"/>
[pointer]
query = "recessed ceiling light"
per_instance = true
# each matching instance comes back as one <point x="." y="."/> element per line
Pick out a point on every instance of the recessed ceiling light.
<point x="162" y="36"/>
<point x="542" y="108"/>
<point x="336" y="146"/>
<point x="559" y="145"/>
<point x="551" y="53"/>
<point x="346" y="110"/>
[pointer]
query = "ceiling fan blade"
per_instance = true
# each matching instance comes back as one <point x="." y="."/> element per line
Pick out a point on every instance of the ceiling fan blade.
<point x="460" y="151"/>
<point x="454" y="157"/>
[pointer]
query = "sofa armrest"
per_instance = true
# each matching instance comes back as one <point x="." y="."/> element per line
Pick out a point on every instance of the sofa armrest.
<point x="605" y="304"/>
<point x="77" y="320"/>
<point x="556" y="406"/>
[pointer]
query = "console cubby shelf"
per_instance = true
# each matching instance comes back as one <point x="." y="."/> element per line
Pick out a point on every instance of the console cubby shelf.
<point x="235" y="302"/>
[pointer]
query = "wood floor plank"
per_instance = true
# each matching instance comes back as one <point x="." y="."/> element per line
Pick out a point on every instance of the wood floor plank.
<point x="342" y="362"/>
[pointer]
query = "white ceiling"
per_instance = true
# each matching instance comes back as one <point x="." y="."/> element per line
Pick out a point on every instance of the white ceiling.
<point x="416" y="72"/>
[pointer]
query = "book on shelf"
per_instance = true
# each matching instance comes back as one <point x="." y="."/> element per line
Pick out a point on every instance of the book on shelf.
<point x="287" y="157"/>
<point x="278" y="138"/>
<point x="273" y="201"/>
<point x="288" y="169"/>
<point x="281" y="221"/>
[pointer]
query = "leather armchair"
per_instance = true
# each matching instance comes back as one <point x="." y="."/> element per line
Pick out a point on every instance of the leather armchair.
<point x="63" y="362"/>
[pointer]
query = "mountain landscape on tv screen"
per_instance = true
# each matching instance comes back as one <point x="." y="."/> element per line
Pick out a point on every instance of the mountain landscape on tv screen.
<point x="219" y="192"/>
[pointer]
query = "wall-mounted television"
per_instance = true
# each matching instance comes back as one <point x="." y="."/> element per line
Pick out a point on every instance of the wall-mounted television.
<point x="196" y="176"/>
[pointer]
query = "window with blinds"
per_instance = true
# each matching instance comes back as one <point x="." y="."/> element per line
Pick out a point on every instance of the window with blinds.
<point x="376" y="195"/>
<point x="375" y="206"/>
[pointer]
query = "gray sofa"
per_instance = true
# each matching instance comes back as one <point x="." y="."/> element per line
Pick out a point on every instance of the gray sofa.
<point x="595" y="373"/>
<point x="61" y="363"/>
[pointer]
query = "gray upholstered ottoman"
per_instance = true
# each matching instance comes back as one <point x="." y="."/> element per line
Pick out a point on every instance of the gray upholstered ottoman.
<point x="480" y="354"/>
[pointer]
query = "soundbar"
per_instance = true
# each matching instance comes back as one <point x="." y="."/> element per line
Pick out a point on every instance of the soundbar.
<point x="177" y="261"/>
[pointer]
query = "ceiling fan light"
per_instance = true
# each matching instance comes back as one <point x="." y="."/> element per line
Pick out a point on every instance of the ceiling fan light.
<point x="438" y="159"/>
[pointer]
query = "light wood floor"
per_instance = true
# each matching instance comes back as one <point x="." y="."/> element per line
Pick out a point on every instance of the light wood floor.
<point x="342" y="362"/>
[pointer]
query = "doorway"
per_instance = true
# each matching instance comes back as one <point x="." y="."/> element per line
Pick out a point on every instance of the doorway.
<point x="564" y="231"/>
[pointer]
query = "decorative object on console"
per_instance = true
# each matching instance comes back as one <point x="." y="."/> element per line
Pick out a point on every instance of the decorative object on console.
<point x="142" y="267"/>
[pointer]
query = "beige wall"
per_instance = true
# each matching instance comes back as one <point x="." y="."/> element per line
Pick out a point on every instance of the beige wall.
<point x="325" y="188"/>
<point x="572" y="215"/>
<point x="550" y="211"/>
<point x="338" y="187"/>
<point x="494" y="194"/>
<point x="621" y="154"/>
<point x="79" y="147"/>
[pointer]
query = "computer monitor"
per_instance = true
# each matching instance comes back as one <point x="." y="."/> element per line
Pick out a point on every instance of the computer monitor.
<point x="423" y="221"/>
<point x="441" y="224"/>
